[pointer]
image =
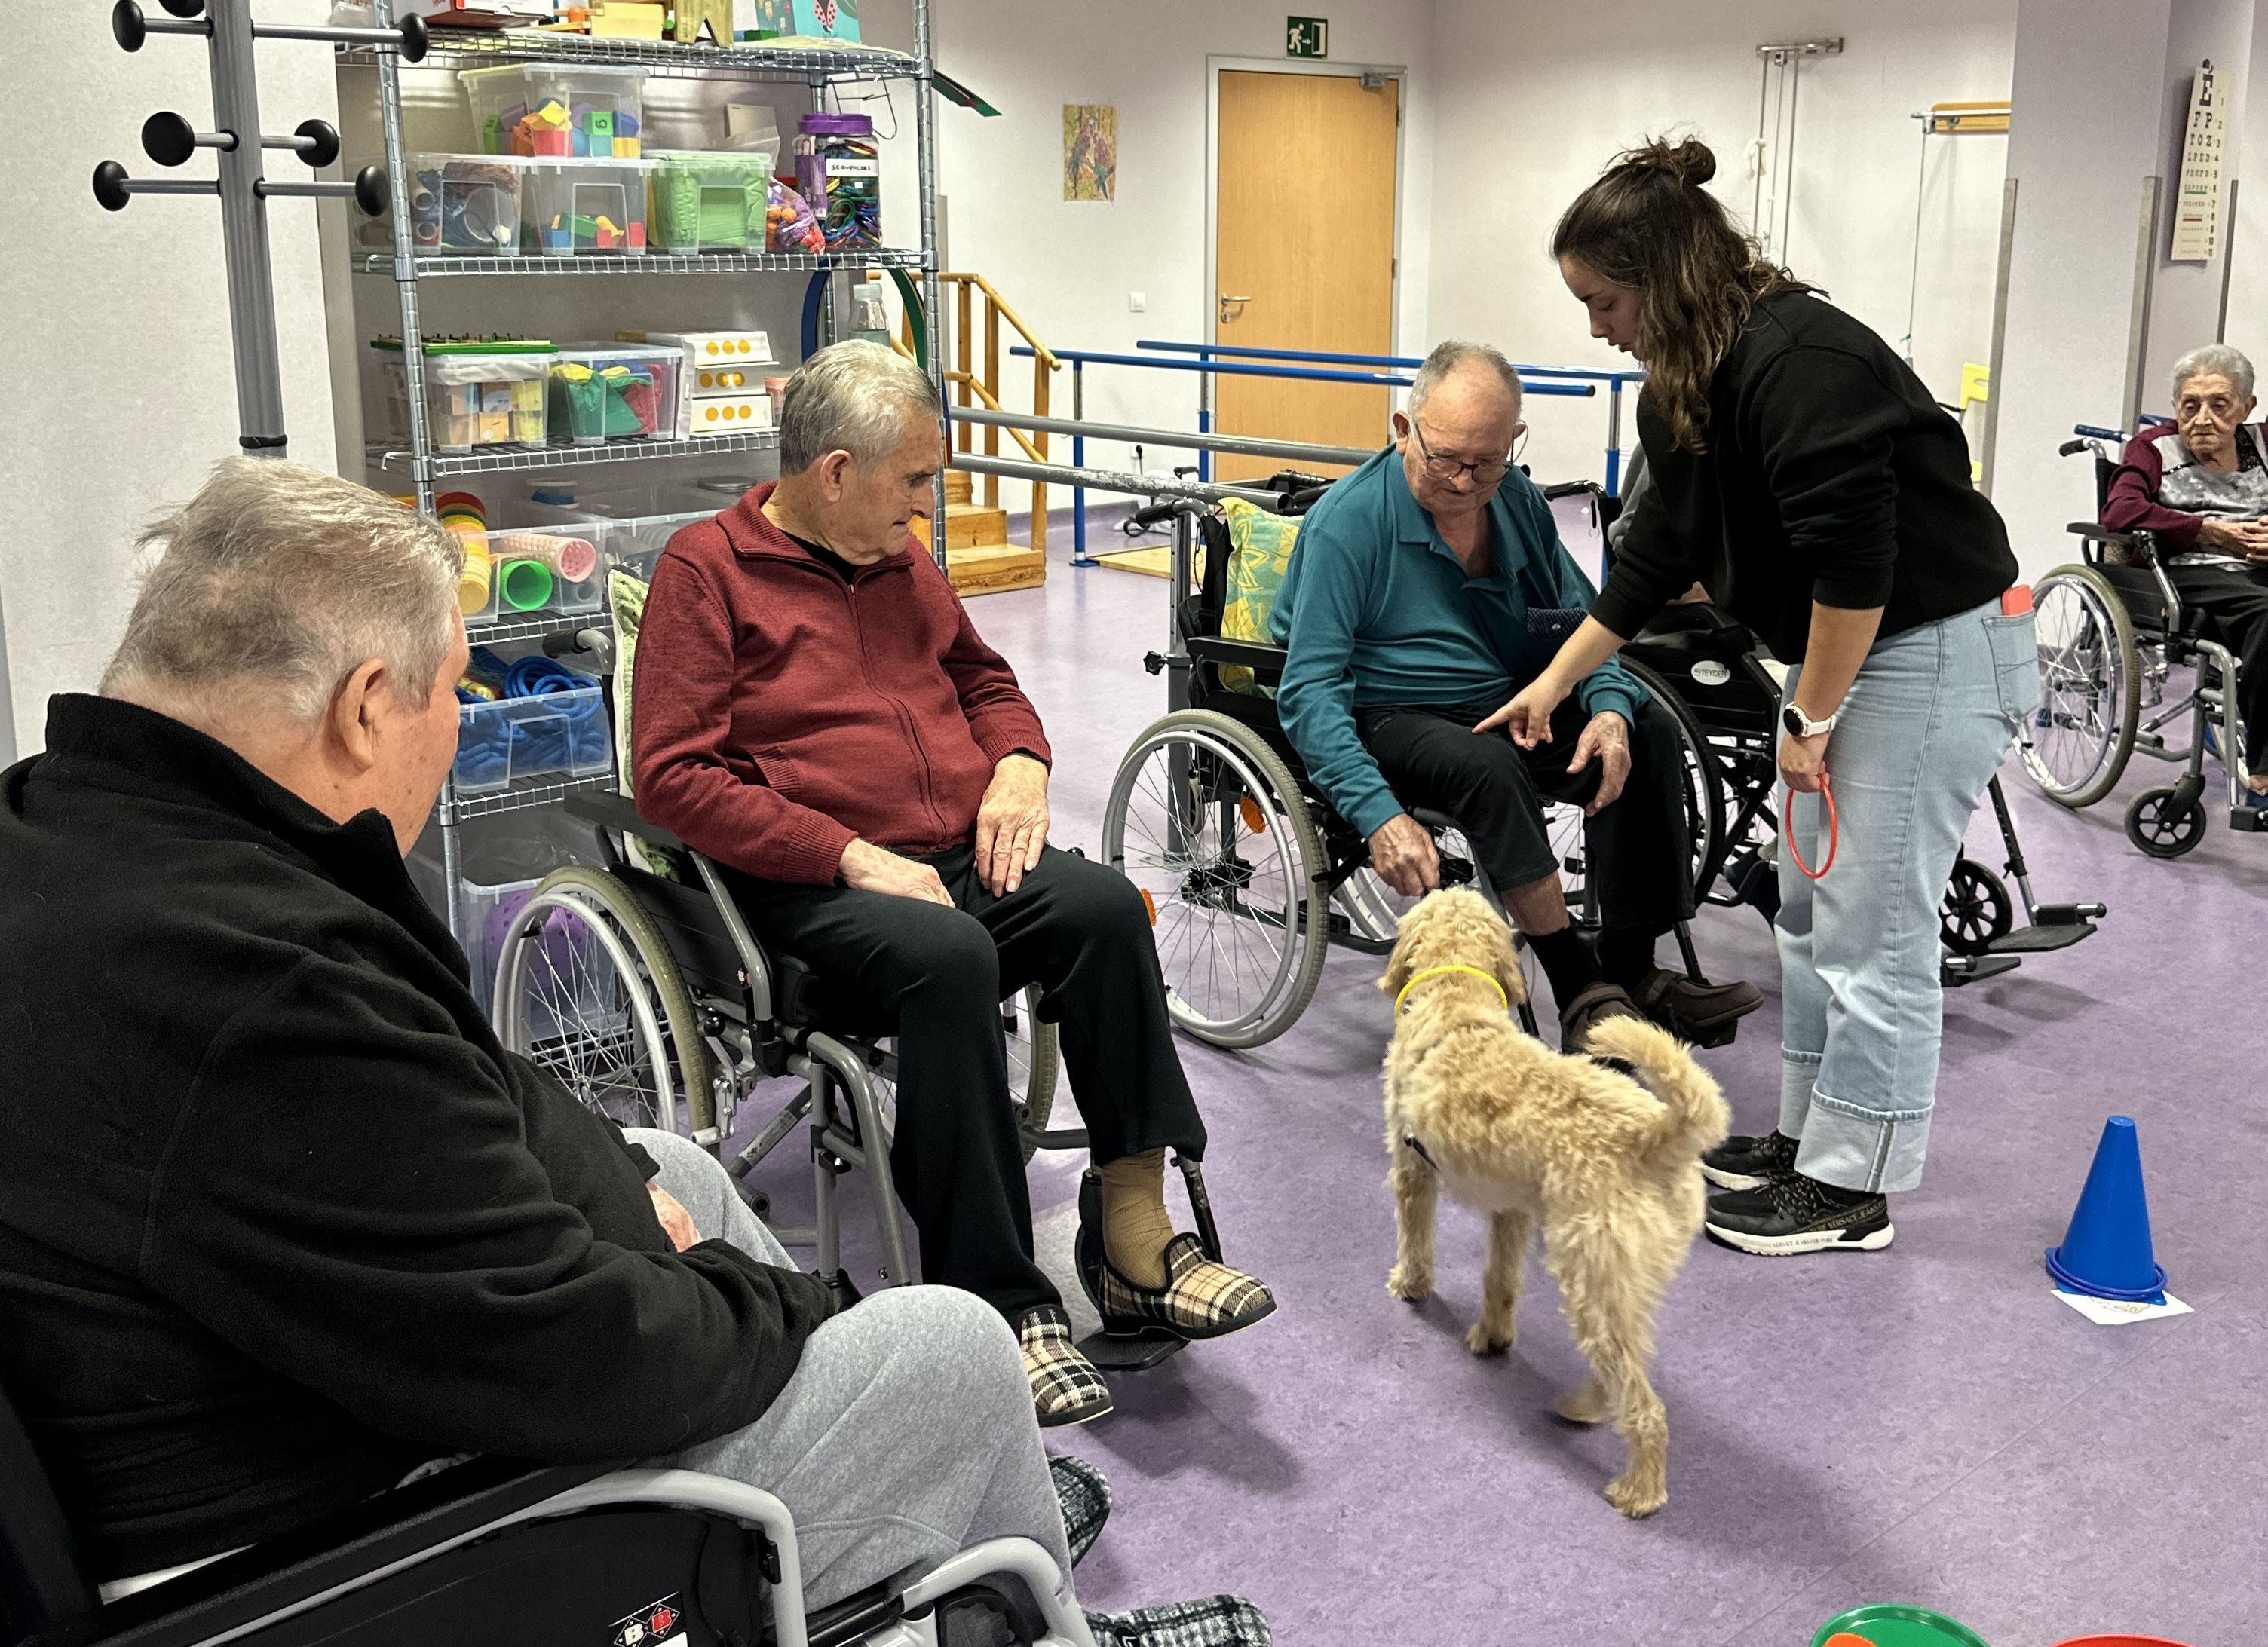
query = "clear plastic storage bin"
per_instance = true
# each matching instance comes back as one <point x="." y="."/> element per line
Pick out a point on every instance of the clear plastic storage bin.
<point x="478" y="392"/>
<point x="706" y="200"/>
<point x="631" y="392"/>
<point x="503" y="741"/>
<point x="571" y="206"/>
<point x="588" y="112"/>
<point x="466" y="203"/>
<point x="512" y="574"/>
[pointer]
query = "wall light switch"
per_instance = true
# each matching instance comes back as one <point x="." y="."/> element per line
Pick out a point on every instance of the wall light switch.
<point x="1137" y="302"/>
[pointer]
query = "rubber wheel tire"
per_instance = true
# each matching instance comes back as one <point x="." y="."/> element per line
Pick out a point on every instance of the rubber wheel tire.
<point x="2153" y="831"/>
<point x="1039" y="1101"/>
<point x="1307" y="845"/>
<point x="2130" y="707"/>
<point x="1976" y="911"/>
<point x="679" y="1021"/>
<point x="1709" y="828"/>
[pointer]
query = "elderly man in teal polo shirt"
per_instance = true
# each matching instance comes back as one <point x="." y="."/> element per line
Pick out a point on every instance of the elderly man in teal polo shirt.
<point x="1406" y="613"/>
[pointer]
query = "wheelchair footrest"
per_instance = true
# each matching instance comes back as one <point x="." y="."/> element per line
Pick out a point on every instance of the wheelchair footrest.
<point x="1954" y="970"/>
<point x="2040" y="940"/>
<point x="1136" y="1354"/>
<point x="2248" y="820"/>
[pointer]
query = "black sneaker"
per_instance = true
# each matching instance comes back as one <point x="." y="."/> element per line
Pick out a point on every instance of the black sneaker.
<point x="1801" y="1215"/>
<point x="1741" y="1163"/>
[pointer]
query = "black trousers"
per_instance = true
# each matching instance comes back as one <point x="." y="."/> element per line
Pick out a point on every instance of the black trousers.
<point x="1077" y="929"/>
<point x="1637" y="848"/>
<point x="2237" y="601"/>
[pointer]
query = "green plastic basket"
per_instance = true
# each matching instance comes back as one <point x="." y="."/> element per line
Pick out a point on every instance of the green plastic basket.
<point x="1891" y="1625"/>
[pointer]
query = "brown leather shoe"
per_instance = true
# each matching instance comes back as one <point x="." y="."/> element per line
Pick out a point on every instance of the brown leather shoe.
<point x="1600" y="1001"/>
<point x="1694" y="1010"/>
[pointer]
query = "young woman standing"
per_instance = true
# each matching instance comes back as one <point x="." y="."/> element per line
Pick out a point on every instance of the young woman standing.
<point x="1804" y="475"/>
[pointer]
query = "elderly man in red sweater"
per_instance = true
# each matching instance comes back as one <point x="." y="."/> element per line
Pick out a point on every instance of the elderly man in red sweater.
<point x="814" y="710"/>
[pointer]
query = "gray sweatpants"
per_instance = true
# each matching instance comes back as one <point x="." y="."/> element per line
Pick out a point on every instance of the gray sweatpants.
<point x="906" y="1432"/>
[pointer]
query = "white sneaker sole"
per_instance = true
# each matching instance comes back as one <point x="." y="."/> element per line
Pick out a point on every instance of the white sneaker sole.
<point x="1807" y="1242"/>
<point x="1724" y="1180"/>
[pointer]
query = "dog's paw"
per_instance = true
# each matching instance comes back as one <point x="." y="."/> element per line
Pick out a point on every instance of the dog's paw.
<point x="1635" y="1498"/>
<point x="1405" y="1281"/>
<point x="1584" y="1406"/>
<point x="1484" y="1340"/>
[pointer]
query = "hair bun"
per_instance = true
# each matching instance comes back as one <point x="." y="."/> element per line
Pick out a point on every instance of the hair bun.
<point x="1690" y="161"/>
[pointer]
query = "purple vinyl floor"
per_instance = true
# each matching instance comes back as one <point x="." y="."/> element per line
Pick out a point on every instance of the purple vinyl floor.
<point x="1928" y="1424"/>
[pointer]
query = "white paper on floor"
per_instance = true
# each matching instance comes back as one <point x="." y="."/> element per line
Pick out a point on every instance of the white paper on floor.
<point x="2118" y="1312"/>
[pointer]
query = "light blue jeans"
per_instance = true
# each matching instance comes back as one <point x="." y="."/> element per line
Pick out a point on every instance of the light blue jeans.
<point x="1921" y="734"/>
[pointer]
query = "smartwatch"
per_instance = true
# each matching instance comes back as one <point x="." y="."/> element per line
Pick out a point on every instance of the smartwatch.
<point x="1801" y="725"/>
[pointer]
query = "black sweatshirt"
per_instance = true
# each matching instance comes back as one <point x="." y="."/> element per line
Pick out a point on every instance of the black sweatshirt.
<point x="279" y="1219"/>
<point x="1831" y="475"/>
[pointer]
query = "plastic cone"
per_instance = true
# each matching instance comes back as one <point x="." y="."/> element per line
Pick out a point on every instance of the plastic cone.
<point x="2106" y="1251"/>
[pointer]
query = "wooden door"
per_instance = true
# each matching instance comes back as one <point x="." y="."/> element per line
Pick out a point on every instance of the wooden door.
<point x="1303" y="252"/>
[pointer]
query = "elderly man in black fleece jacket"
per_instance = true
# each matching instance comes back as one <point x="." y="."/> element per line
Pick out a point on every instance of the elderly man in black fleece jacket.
<point x="280" y="1221"/>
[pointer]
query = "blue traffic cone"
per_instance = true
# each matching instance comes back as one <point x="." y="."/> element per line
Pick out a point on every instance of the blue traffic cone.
<point x="2106" y="1251"/>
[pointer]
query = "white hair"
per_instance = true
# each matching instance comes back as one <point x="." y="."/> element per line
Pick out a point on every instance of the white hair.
<point x="850" y="397"/>
<point x="1447" y="357"/>
<point x="275" y="582"/>
<point x="2219" y="358"/>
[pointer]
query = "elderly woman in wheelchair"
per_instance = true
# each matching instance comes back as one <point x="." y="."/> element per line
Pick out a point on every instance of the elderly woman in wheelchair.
<point x="812" y="710"/>
<point x="2175" y="574"/>
<point x="285" y="1229"/>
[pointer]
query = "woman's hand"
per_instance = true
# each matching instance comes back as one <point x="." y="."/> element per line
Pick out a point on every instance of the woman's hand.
<point x="1528" y="718"/>
<point x="1803" y="762"/>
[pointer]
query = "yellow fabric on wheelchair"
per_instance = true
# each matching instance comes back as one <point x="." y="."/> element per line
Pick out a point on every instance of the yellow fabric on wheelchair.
<point x="626" y="597"/>
<point x="1259" y="549"/>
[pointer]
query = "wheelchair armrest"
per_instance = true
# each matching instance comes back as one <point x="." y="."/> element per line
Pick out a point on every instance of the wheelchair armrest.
<point x="309" y="1561"/>
<point x="2095" y="533"/>
<point x="620" y="814"/>
<point x="1558" y="490"/>
<point x="1213" y="649"/>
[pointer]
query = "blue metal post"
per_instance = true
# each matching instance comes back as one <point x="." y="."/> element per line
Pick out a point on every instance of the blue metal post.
<point x="1614" y="438"/>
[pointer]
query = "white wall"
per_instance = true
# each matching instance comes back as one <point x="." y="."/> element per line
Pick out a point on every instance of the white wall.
<point x="136" y="398"/>
<point x="2248" y="241"/>
<point x="1533" y="101"/>
<point x="2185" y="298"/>
<point x="1068" y="266"/>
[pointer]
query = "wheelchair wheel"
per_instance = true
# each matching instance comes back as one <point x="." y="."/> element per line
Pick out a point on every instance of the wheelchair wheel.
<point x="2091" y="687"/>
<point x="586" y="989"/>
<point x="1206" y="821"/>
<point x="1977" y="910"/>
<point x="1035" y="1065"/>
<point x="1700" y="782"/>
<point x="2160" y="827"/>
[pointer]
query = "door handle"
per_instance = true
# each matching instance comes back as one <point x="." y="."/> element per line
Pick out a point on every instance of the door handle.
<point x="1225" y="299"/>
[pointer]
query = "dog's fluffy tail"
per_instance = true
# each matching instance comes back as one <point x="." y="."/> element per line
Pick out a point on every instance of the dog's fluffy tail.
<point x="1694" y="1117"/>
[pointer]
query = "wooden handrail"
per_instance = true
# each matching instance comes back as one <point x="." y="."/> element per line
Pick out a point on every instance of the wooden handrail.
<point x="1045" y="355"/>
<point x="992" y="404"/>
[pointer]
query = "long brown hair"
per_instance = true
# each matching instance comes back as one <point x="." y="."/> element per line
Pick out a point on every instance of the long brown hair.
<point x="1648" y="224"/>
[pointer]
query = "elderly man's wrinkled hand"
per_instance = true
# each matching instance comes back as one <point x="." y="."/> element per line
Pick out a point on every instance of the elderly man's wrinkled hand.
<point x="866" y="867"/>
<point x="1011" y="824"/>
<point x="1403" y="853"/>
<point x="676" y="1222"/>
<point x="1607" y="739"/>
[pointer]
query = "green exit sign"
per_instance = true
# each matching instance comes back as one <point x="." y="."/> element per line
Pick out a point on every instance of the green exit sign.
<point x="1307" y="37"/>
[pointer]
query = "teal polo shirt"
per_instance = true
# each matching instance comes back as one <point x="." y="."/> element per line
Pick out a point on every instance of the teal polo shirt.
<point x="1376" y="610"/>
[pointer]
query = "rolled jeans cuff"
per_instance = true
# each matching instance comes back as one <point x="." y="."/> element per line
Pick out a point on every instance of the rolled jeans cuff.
<point x="1880" y="1150"/>
<point x="1799" y="1074"/>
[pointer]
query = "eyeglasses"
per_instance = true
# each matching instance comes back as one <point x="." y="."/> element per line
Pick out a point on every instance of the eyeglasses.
<point x="1449" y="470"/>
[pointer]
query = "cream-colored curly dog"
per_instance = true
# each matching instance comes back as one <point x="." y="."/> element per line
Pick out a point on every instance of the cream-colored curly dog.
<point x="1524" y="1134"/>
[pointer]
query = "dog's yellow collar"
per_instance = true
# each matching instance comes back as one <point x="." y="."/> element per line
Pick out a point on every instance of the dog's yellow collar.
<point x="1417" y="978"/>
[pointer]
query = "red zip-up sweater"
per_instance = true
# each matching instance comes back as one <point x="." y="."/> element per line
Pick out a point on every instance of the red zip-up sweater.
<point x="779" y="713"/>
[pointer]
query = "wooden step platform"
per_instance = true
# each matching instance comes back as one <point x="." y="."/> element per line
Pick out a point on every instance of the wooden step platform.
<point x="978" y="556"/>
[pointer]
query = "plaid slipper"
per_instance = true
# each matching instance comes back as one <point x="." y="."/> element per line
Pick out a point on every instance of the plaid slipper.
<point x="1201" y="1299"/>
<point x="1215" y="1621"/>
<point x="1083" y="1498"/>
<point x="1065" y="1387"/>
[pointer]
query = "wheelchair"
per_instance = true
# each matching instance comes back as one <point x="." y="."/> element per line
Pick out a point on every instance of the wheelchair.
<point x="2112" y="631"/>
<point x="496" y="1549"/>
<point x="1725" y="682"/>
<point x="1250" y="875"/>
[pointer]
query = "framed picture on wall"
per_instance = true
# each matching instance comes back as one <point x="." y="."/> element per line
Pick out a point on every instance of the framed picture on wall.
<point x="1090" y="151"/>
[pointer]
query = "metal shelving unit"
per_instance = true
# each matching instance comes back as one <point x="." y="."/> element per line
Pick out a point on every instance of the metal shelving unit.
<point x="408" y="269"/>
